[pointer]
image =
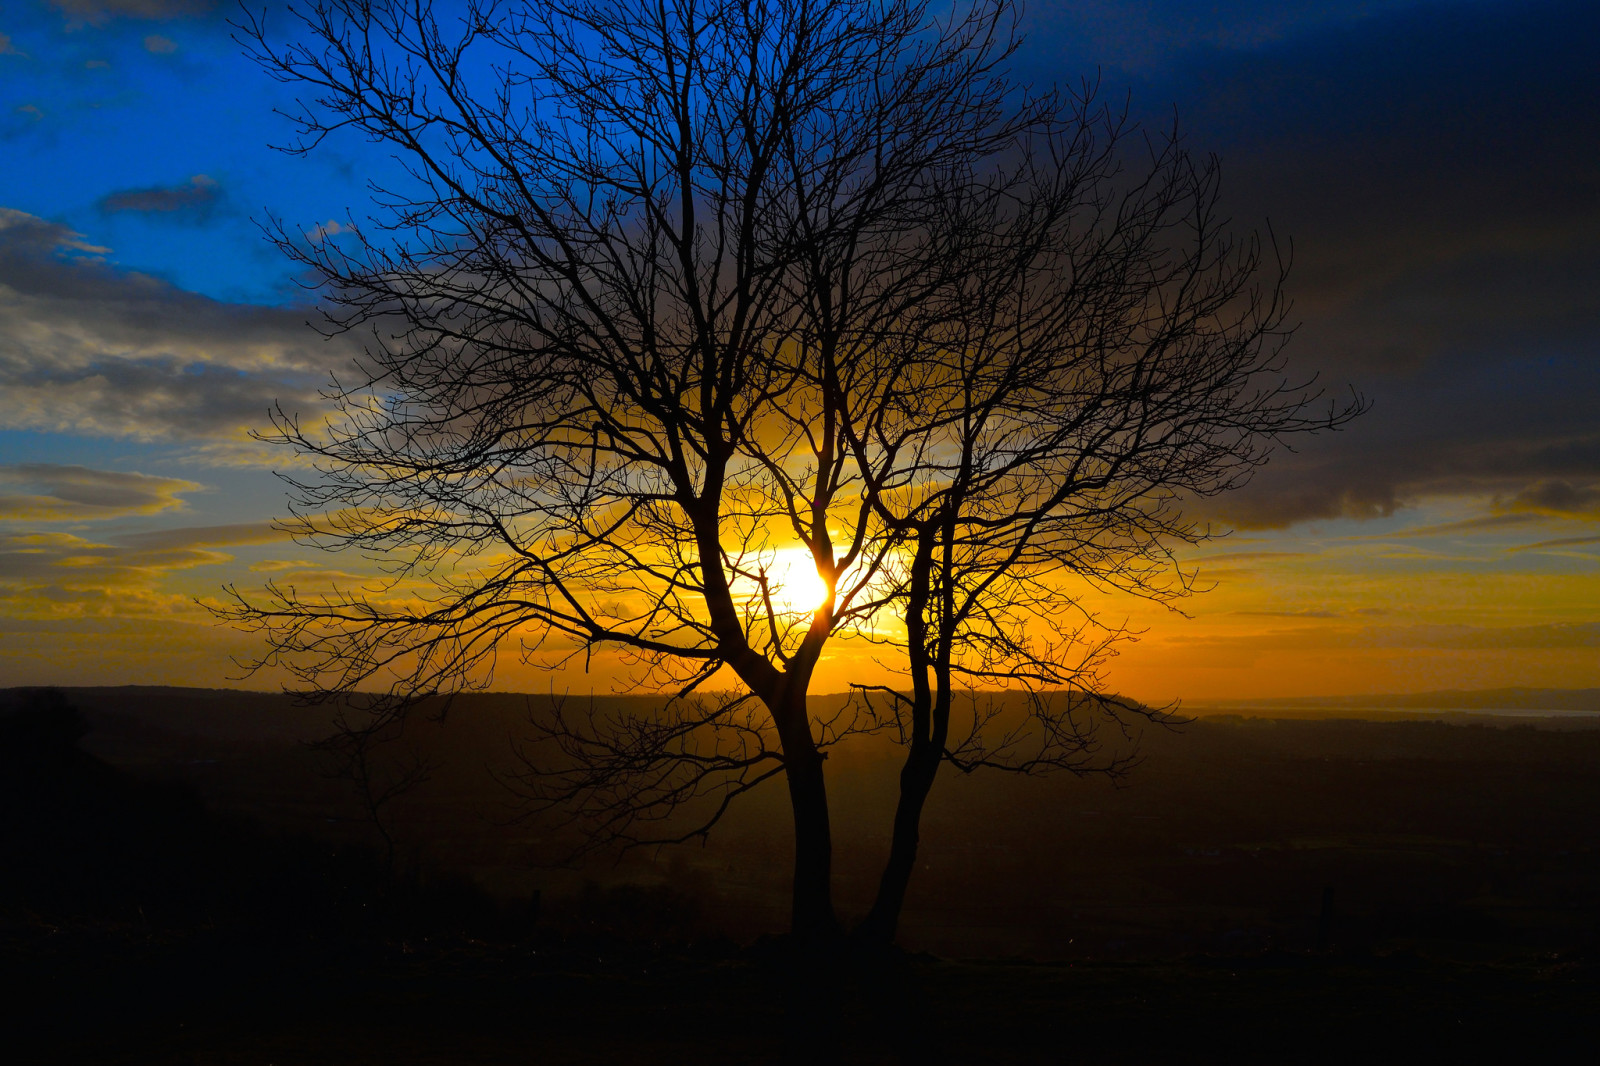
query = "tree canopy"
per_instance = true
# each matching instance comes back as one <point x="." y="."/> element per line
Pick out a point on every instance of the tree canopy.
<point x="670" y="292"/>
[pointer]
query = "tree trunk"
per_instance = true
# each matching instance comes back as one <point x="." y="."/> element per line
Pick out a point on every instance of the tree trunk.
<point x="812" y="914"/>
<point x="811" y="918"/>
<point x="930" y="718"/>
<point x="916" y="780"/>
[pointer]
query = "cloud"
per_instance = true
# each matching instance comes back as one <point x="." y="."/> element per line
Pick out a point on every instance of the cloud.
<point x="60" y="574"/>
<point x="1577" y="635"/>
<point x="7" y="48"/>
<point x="1513" y="428"/>
<point x="98" y="12"/>
<point x="1559" y="499"/>
<point x="1144" y="34"/>
<point x="1570" y="635"/>
<point x="1559" y="542"/>
<point x="156" y="44"/>
<point x="1244" y="557"/>
<point x="49" y="493"/>
<point x="314" y="576"/>
<point x="92" y="348"/>
<point x="68" y="575"/>
<point x="1467" y="525"/>
<point x="331" y="228"/>
<point x="195" y="198"/>
<point x="1436" y="178"/>
<point x="205" y="536"/>
<point x="1288" y="614"/>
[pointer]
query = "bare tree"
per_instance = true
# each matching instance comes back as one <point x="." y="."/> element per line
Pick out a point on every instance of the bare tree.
<point x="1110" y="354"/>
<point x="670" y="287"/>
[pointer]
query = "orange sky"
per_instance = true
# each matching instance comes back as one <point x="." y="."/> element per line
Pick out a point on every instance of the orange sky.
<point x="1449" y="594"/>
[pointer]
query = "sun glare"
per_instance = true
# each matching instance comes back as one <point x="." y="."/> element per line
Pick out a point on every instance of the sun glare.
<point x="795" y="584"/>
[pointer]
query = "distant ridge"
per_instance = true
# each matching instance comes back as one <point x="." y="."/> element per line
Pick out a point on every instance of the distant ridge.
<point x="242" y="714"/>
<point x="1519" y="699"/>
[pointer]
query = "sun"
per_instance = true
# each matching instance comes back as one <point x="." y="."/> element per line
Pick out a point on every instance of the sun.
<point x="794" y="581"/>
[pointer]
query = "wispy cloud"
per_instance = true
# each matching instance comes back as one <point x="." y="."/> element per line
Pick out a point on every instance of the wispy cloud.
<point x="92" y="348"/>
<point x="194" y="199"/>
<point x="1427" y="636"/>
<point x="1465" y="526"/>
<point x="1559" y="542"/>
<point x="1246" y="557"/>
<point x="50" y="492"/>
<point x="205" y="536"/>
<point x="331" y="228"/>
<point x="45" y="575"/>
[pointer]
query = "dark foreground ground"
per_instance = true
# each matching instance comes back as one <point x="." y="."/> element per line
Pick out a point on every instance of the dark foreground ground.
<point x="179" y="884"/>
<point x="101" y="996"/>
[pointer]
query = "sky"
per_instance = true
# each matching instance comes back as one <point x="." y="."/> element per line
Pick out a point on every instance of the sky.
<point x="1435" y="165"/>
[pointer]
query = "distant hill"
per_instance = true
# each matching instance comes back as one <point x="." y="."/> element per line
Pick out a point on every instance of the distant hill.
<point x="235" y="716"/>
<point x="1225" y="839"/>
<point x="132" y="713"/>
<point x="1509" y="699"/>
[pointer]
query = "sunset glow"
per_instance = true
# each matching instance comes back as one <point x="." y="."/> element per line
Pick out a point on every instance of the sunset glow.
<point x="795" y="582"/>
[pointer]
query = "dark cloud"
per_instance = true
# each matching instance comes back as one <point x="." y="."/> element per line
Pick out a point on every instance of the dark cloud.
<point x="1507" y="428"/>
<point x="1558" y="498"/>
<point x="52" y="492"/>
<point x="96" y="12"/>
<point x="1142" y="34"/>
<point x="91" y="348"/>
<point x="1438" y="170"/>
<point x="194" y="199"/>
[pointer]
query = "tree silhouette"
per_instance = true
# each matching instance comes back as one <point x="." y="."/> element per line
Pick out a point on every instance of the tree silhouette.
<point x="669" y="288"/>
<point x="1109" y="354"/>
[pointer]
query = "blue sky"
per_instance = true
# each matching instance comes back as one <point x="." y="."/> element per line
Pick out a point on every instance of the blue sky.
<point x="103" y="107"/>
<point x="1437" y="166"/>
